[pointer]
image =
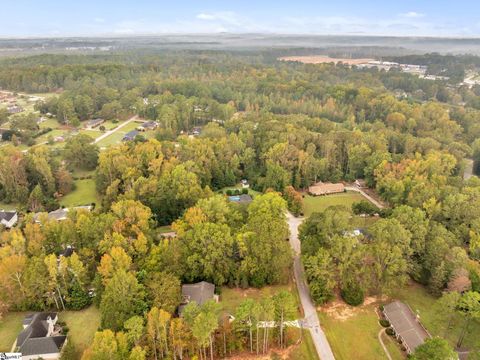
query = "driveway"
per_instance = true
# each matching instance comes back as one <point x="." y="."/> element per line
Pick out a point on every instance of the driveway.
<point x="108" y="133"/>
<point x="365" y="195"/>
<point x="311" y="318"/>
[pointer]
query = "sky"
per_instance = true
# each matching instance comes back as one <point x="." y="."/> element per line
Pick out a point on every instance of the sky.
<point x="450" y="18"/>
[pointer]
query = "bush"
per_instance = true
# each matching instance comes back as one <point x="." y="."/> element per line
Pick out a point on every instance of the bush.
<point x="385" y="323"/>
<point x="381" y="307"/>
<point x="229" y="192"/>
<point x="245" y="191"/>
<point x="101" y="128"/>
<point x="236" y="192"/>
<point x="390" y="331"/>
<point x="353" y="294"/>
<point x="65" y="330"/>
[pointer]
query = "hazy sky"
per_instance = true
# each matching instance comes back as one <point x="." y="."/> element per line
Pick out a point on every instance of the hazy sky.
<point x="120" y="17"/>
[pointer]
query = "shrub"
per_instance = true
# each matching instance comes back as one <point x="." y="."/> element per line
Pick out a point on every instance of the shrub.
<point x="229" y="192"/>
<point x="102" y="128"/>
<point x="385" y="323"/>
<point x="364" y="207"/>
<point x="390" y="331"/>
<point x="245" y="191"/>
<point x="381" y="307"/>
<point x="236" y="192"/>
<point x="353" y="294"/>
<point x="65" y="329"/>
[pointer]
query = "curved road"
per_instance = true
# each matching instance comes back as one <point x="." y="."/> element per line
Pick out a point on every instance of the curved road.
<point x="311" y="318"/>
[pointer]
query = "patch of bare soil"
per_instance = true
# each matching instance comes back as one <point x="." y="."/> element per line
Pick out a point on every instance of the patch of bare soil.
<point x="339" y="310"/>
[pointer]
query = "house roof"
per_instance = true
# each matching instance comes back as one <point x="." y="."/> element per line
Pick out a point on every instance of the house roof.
<point x="33" y="339"/>
<point x="7" y="215"/>
<point x="95" y="121"/>
<point x="406" y="324"/>
<point x="148" y="124"/>
<point x="321" y="188"/>
<point x="130" y="135"/>
<point x="200" y="292"/>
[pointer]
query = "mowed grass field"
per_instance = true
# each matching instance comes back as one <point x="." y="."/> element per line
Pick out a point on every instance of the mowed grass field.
<point x="118" y="135"/>
<point x="320" y="203"/>
<point x="82" y="324"/>
<point x="10" y="327"/>
<point x="353" y="332"/>
<point x="84" y="194"/>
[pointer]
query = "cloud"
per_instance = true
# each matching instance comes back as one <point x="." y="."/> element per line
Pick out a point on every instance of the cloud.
<point x="412" y="15"/>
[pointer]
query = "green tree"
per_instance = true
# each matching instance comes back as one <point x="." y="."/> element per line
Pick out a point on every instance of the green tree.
<point x="319" y="271"/>
<point x="435" y="349"/>
<point x="164" y="291"/>
<point x="80" y="153"/>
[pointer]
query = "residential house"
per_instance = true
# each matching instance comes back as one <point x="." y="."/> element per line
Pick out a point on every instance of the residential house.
<point x="321" y="188"/>
<point x="200" y="293"/>
<point x="406" y="325"/>
<point x="92" y="124"/>
<point x="62" y="213"/>
<point x="41" y="337"/>
<point x="14" y="109"/>
<point x="8" y="218"/>
<point x="196" y="131"/>
<point x="130" y="136"/>
<point x="147" y="125"/>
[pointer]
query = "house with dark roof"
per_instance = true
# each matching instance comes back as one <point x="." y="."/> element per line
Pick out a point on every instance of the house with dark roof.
<point x="406" y="325"/>
<point x="8" y="218"/>
<point x="92" y="124"/>
<point x="130" y="136"/>
<point x="147" y="125"/>
<point x="41" y="337"/>
<point x="200" y="293"/>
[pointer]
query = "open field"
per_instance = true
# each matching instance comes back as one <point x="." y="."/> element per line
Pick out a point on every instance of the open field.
<point x="322" y="59"/>
<point x="84" y="194"/>
<point x="320" y="203"/>
<point x="306" y="350"/>
<point x="352" y="331"/>
<point x="10" y="327"/>
<point x="82" y="324"/>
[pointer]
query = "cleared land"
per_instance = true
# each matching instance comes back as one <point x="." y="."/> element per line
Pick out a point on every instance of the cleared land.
<point x="322" y="59"/>
<point x="352" y="331"/>
<point x="320" y="203"/>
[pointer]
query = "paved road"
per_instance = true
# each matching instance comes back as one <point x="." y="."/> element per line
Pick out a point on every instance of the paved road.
<point x="319" y="339"/>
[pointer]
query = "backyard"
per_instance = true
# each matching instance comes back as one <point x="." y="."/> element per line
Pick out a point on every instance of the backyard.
<point x="10" y="327"/>
<point x="83" y="194"/>
<point x="320" y="203"/>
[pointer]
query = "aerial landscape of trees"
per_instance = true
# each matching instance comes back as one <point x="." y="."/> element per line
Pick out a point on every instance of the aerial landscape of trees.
<point x="283" y="126"/>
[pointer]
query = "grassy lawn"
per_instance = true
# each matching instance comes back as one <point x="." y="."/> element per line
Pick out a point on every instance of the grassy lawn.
<point x="306" y="350"/>
<point x="10" y="327"/>
<point x="393" y="347"/>
<point x="353" y="334"/>
<point x="92" y="133"/>
<point x="320" y="203"/>
<point x="82" y="324"/>
<point x="83" y="194"/>
<point x="50" y="123"/>
<point x="430" y="315"/>
<point x="53" y="133"/>
<point x="10" y="206"/>
<point x="117" y="136"/>
<point x="239" y="187"/>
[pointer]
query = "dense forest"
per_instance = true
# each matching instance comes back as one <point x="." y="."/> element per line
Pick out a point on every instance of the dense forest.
<point x="282" y="126"/>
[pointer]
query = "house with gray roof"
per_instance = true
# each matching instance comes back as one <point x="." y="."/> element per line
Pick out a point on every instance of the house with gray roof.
<point x="406" y="325"/>
<point x="130" y="136"/>
<point x="8" y="218"/>
<point x="41" y="337"/>
<point x="200" y="293"/>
